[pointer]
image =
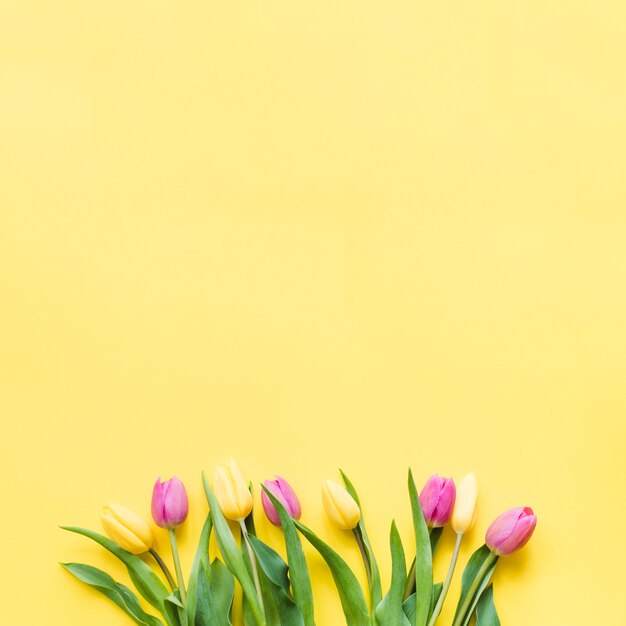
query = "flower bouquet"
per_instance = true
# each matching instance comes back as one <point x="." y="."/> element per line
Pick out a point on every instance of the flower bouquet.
<point x="276" y="592"/>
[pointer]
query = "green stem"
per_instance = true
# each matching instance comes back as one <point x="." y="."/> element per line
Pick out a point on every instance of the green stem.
<point x="179" y="570"/>
<point x="410" y="581"/>
<point x="446" y="584"/>
<point x="164" y="568"/>
<point x="255" y="570"/>
<point x="366" y="561"/>
<point x="459" y="620"/>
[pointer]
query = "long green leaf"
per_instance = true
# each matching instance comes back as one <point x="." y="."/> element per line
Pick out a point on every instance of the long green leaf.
<point x="222" y="592"/>
<point x="389" y="612"/>
<point x="408" y="606"/>
<point x="272" y="563"/>
<point x="350" y="592"/>
<point x="435" y="536"/>
<point x="437" y="589"/>
<point x="486" y="614"/>
<point x="215" y="595"/>
<point x="476" y="576"/>
<point x="201" y="567"/>
<point x="298" y="569"/>
<point x="376" y="591"/>
<point x="148" y="584"/>
<point x="231" y="554"/>
<point x="116" y="592"/>
<point x="275" y="585"/>
<point x="423" y="559"/>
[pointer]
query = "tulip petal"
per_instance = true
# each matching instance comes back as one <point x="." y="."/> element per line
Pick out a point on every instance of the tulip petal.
<point x="511" y="530"/>
<point x="242" y="490"/>
<point x="133" y="522"/>
<point x="291" y="499"/>
<point x="268" y="507"/>
<point x="157" y="504"/>
<point x="464" y="512"/>
<point x="122" y="535"/>
<point x="340" y="506"/>
<point x="176" y="503"/>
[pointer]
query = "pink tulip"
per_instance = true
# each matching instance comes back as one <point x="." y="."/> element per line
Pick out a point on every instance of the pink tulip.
<point x="437" y="500"/>
<point x="169" y="503"/>
<point x="511" y="530"/>
<point x="283" y="492"/>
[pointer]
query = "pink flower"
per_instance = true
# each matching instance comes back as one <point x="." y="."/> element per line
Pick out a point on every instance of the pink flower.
<point x="169" y="503"/>
<point x="283" y="492"/>
<point x="511" y="530"/>
<point x="437" y="500"/>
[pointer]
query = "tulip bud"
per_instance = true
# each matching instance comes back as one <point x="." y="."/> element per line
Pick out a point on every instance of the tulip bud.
<point x="283" y="492"/>
<point x="437" y="500"/>
<point x="511" y="531"/>
<point x="340" y="506"/>
<point x="464" y="513"/>
<point x="126" y="528"/>
<point x="232" y="492"/>
<point x="170" y="505"/>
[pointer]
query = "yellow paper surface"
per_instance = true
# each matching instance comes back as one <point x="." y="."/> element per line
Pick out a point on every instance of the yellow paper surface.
<point x="311" y="235"/>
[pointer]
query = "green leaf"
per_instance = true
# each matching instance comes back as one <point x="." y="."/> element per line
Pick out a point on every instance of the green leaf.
<point x="423" y="559"/>
<point x="350" y="592"/>
<point x="116" y="592"/>
<point x="437" y="589"/>
<point x="408" y="606"/>
<point x="175" y="599"/>
<point x="486" y="614"/>
<point x="476" y="576"/>
<point x="272" y="563"/>
<point x="376" y="592"/>
<point x="249" y="521"/>
<point x="298" y="569"/>
<point x="231" y="554"/>
<point x="216" y="589"/>
<point x="435" y="536"/>
<point x="390" y="612"/>
<point x="201" y="567"/>
<point x="222" y="591"/>
<point x="270" y="608"/>
<point x="148" y="584"/>
<point x="275" y="585"/>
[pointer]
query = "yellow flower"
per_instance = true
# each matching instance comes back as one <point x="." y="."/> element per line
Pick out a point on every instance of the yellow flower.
<point x="464" y="513"/>
<point x="126" y="528"/>
<point x="232" y="492"/>
<point x="340" y="506"/>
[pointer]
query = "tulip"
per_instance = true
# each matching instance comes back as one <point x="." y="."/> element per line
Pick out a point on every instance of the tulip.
<point x="437" y="500"/>
<point x="126" y="528"/>
<point x="462" y="519"/>
<point x="340" y="506"/>
<point x="511" y="531"/>
<point x="235" y="501"/>
<point x="232" y="492"/>
<point x="464" y="513"/>
<point x="284" y="493"/>
<point x="170" y="505"/>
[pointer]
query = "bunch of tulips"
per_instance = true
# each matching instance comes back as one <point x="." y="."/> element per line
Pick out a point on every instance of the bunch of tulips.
<point x="276" y="592"/>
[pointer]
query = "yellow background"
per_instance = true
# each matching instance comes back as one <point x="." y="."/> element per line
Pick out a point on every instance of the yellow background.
<point x="313" y="234"/>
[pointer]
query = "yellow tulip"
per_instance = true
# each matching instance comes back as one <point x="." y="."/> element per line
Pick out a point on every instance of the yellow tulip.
<point x="126" y="528"/>
<point x="340" y="506"/>
<point x="464" y="513"/>
<point x="232" y="492"/>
